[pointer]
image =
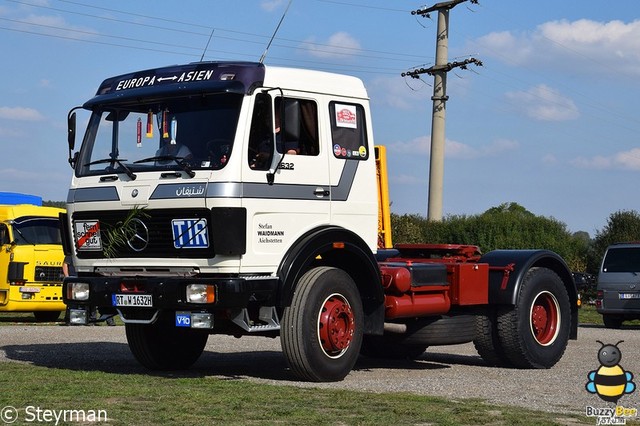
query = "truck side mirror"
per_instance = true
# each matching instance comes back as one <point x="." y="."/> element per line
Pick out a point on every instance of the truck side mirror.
<point x="71" y="130"/>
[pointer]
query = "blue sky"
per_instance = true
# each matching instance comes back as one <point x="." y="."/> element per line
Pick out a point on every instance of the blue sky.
<point x="550" y="121"/>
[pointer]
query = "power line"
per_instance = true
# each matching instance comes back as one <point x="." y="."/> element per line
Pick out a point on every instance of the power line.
<point x="319" y="47"/>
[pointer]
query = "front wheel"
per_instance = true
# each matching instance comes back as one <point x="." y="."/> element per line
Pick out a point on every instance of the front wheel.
<point x="534" y="333"/>
<point x="321" y="331"/>
<point x="163" y="346"/>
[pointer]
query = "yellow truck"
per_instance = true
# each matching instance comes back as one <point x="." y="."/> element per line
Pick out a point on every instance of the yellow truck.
<point x="31" y="260"/>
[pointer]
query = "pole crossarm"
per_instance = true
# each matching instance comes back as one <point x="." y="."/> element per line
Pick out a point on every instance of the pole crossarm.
<point x="445" y="5"/>
<point x="442" y="68"/>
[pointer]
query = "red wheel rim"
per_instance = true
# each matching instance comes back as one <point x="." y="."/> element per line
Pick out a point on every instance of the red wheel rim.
<point x="336" y="325"/>
<point x="545" y="318"/>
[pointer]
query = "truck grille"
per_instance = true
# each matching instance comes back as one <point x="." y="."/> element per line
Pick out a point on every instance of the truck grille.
<point x="48" y="274"/>
<point x="160" y="238"/>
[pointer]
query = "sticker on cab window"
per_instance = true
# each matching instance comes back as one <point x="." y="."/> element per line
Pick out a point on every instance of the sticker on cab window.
<point x="346" y="116"/>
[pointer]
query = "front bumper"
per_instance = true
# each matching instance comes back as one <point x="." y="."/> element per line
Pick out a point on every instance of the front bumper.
<point x="231" y="294"/>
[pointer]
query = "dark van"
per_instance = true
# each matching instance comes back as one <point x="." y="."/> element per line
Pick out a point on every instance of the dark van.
<point x="618" y="291"/>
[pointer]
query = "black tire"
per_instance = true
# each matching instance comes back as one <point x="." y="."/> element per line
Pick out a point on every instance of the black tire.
<point x="163" y="346"/>
<point x="389" y="346"/>
<point x="46" y="316"/>
<point x="440" y="330"/>
<point x="487" y="342"/>
<point x="321" y="331"/>
<point x="534" y="333"/>
<point x="612" y="321"/>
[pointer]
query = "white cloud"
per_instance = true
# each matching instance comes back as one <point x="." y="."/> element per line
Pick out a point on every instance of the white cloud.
<point x="394" y="92"/>
<point x="53" y="25"/>
<point x="20" y="113"/>
<point x="11" y="133"/>
<point x="454" y="149"/>
<point x="420" y="145"/>
<point x="584" y="45"/>
<point x="625" y="160"/>
<point x="543" y="103"/>
<point x="271" y="5"/>
<point x="339" y="45"/>
<point x="407" y="180"/>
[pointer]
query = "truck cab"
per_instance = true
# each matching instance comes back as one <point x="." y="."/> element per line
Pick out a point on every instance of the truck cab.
<point x="31" y="260"/>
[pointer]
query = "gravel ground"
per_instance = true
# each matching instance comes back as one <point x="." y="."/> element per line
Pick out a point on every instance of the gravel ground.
<point x="447" y="371"/>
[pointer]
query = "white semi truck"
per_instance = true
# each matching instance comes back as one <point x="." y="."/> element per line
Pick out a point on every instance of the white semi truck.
<point x="239" y="198"/>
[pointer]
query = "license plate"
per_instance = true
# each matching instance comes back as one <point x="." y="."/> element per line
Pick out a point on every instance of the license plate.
<point x="629" y="295"/>
<point x="143" y="300"/>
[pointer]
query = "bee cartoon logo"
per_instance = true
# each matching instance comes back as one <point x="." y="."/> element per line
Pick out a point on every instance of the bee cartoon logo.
<point x="610" y="382"/>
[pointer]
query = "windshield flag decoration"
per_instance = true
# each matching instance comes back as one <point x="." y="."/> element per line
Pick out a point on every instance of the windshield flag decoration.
<point x="165" y="128"/>
<point x="139" y="133"/>
<point x="150" y="124"/>
<point x="174" y="130"/>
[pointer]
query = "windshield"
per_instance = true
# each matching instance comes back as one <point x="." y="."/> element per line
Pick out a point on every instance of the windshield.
<point x="172" y="134"/>
<point x="32" y="231"/>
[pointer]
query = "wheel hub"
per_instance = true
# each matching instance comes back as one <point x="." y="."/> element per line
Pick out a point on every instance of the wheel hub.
<point x="336" y="325"/>
<point x="545" y="318"/>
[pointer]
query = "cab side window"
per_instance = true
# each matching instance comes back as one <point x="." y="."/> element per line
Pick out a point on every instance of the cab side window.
<point x="296" y="126"/>
<point x="4" y="234"/>
<point x="296" y="129"/>
<point x="261" y="134"/>
<point x="348" y="131"/>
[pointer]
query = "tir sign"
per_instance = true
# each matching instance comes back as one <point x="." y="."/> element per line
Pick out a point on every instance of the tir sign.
<point x="190" y="233"/>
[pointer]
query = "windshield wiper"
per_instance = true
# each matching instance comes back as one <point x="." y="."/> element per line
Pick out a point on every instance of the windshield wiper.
<point x="180" y="161"/>
<point x="119" y="161"/>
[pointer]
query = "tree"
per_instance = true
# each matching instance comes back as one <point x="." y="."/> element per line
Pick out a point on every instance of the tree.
<point x="507" y="226"/>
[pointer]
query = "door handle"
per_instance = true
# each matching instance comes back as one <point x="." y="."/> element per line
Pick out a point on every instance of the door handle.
<point x="321" y="192"/>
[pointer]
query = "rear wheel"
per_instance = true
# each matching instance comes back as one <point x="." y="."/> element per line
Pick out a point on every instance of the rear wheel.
<point x="440" y="330"/>
<point x="534" y="333"/>
<point x="163" y="346"/>
<point x="321" y="331"/>
<point x="487" y="342"/>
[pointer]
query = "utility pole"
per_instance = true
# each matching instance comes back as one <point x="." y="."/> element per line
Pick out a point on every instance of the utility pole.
<point x="439" y="72"/>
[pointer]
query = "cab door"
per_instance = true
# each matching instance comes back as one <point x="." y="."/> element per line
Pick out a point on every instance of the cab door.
<point x="286" y="186"/>
<point x="354" y="194"/>
<point x="5" y="258"/>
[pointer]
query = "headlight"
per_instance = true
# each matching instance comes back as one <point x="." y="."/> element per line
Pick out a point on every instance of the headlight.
<point x="201" y="293"/>
<point x="78" y="291"/>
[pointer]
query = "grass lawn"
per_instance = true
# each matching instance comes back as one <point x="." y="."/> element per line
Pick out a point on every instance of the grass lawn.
<point x="180" y="400"/>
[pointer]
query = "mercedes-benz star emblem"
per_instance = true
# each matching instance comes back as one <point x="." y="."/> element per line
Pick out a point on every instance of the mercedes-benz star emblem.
<point x="139" y="238"/>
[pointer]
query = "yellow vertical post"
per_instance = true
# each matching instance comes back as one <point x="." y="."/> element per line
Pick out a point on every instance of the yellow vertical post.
<point x="384" y="209"/>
